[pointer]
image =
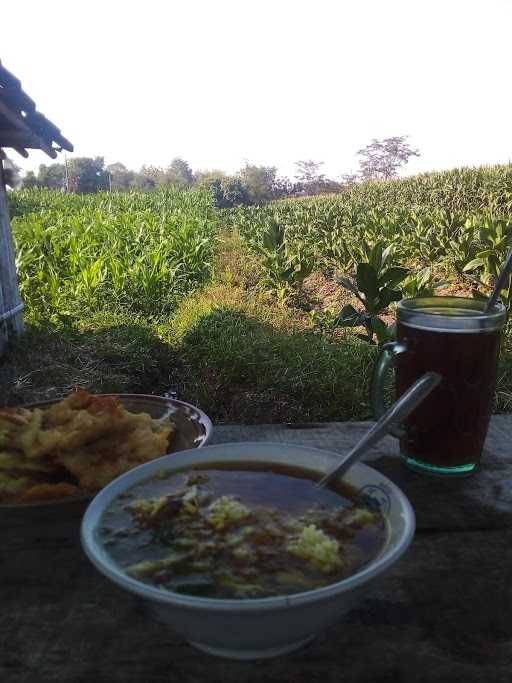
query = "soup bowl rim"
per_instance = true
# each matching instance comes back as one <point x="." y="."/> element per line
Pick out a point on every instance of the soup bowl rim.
<point x="99" y="557"/>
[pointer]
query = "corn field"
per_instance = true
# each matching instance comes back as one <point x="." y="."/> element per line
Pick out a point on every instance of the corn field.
<point x="457" y="223"/>
<point x="138" y="252"/>
<point x="142" y="252"/>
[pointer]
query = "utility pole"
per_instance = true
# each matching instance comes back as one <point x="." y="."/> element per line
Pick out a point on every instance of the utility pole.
<point x="66" y="173"/>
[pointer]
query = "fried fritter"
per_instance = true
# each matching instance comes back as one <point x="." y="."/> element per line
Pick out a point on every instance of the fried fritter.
<point x="12" y="485"/>
<point x="96" y="464"/>
<point x="14" y="416"/>
<point x="16" y="461"/>
<point x="87" y="439"/>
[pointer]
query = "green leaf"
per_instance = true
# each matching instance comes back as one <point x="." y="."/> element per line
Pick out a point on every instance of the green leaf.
<point x="349" y="317"/>
<point x="393" y="276"/>
<point x="424" y="277"/>
<point x="386" y="296"/>
<point x="474" y="264"/>
<point x="379" y="328"/>
<point x="367" y="280"/>
<point x="391" y="331"/>
<point x="348" y="284"/>
<point x="494" y="265"/>
<point x="387" y="253"/>
<point x="375" y="259"/>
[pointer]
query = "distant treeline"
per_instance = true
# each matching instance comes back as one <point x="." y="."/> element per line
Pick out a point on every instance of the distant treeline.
<point x="380" y="160"/>
<point x="251" y="185"/>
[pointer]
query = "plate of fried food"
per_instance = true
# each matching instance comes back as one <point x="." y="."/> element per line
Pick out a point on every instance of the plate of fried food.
<point x="68" y="449"/>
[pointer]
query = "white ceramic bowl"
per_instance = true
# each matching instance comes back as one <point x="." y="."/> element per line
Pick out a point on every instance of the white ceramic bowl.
<point x="262" y="627"/>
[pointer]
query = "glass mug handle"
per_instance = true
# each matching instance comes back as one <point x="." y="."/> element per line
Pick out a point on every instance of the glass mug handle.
<point x="385" y="361"/>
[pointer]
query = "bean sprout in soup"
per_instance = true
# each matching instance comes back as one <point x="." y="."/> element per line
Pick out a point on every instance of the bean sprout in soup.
<point x="244" y="531"/>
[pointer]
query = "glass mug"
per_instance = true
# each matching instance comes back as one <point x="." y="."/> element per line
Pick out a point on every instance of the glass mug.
<point x="455" y="337"/>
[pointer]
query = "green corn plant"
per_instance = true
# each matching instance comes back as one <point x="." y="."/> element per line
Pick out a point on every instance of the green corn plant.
<point x="326" y="321"/>
<point x="285" y="264"/>
<point x="420" y="284"/>
<point x="374" y="285"/>
<point x="140" y="252"/>
<point x="463" y="248"/>
<point x="429" y="245"/>
<point x="143" y="251"/>
<point x="495" y="238"/>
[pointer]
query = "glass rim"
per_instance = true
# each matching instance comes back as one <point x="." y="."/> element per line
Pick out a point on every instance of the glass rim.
<point x="467" y="315"/>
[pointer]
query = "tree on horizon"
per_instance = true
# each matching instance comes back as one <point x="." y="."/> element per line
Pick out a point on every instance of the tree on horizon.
<point x="383" y="159"/>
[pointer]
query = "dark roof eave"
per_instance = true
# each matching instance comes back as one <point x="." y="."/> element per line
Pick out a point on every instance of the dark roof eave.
<point x="25" y="127"/>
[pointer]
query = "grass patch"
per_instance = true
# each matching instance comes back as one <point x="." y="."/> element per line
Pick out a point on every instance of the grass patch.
<point x="231" y="357"/>
<point x="261" y="373"/>
<point x="109" y="355"/>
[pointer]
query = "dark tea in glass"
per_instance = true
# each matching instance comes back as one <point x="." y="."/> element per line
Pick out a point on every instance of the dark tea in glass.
<point x="454" y="337"/>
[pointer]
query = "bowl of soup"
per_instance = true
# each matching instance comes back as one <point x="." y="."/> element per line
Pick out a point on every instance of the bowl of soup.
<point x="236" y="549"/>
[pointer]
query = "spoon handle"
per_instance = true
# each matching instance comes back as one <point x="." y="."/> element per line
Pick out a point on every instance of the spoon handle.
<point x="500" y="282"/>
<point x="407" y="402"/>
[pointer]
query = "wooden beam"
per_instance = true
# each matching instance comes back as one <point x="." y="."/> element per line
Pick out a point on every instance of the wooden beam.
<point x="17" y="121"/>
<point x="11" y="322"/>
<point x="22" y="152"/>
<point x="19" y="110"/>
<point x="64" y="143"/>
<point x="9" y="137"/>
<point x="23" y="126"/>
<point x="8" y="79"/>
<point x="28" y="139"/>
<point x="52" y="153"/>
<point x="40" y="125"/>
<point x="17" y="99"/>
<point x="23" y="130"/>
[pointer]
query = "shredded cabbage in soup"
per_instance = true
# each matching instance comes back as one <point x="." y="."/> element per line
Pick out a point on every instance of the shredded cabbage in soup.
<point x="240" y="533"/>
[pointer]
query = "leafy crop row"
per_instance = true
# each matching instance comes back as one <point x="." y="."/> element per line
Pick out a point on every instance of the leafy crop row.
<point x="458" y="224"/>
<point x="139" y="252"/>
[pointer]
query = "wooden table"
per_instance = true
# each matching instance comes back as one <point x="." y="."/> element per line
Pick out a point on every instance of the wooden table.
<point x="444" y="613"/>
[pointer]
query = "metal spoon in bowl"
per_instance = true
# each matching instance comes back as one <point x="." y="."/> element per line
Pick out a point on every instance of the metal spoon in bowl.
<point x="500" y="283"/>
<point x="407" y="402"/>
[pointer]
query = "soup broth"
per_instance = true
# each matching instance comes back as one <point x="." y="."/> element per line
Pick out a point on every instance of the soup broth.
<point x="240" y="532"/>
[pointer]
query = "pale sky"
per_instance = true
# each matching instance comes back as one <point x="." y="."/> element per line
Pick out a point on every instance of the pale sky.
<point x="218" y="82"/>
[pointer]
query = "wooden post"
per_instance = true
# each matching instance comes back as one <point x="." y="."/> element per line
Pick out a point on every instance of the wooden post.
<point x="11" y="306"/>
